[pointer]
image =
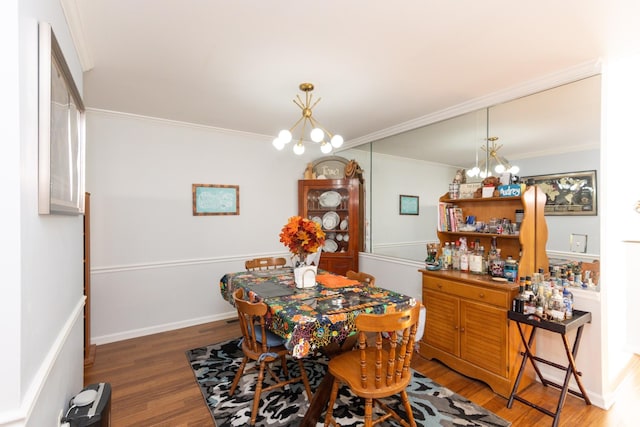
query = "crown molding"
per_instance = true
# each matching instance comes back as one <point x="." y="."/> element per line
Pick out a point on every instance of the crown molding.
<point x="72" y="15"/>
<point x="578" y="72"/>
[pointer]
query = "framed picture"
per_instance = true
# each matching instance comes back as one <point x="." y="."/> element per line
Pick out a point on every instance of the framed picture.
<point x="571" y="193"/>
<point x="211" y="199"/>
<point x="61" y="130"/>
<point x="409" y="205"/>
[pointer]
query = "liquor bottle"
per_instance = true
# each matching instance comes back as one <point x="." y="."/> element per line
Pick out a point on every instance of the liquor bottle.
<point x="464" y="255"/>
<point x="567" y="298"/>
<point x="496" y="265"/>
<point x="493" y="251"/>
<point x="475" y="260"/>
<point x="511" y="269"/>
<point x="446" y="256"/>
<point x="455" y="256"/>
<point x="530" y="303"/>
<point x="557" y="306"/>
<point x="541" y="302"/>
<point x="518" y="301"/>
<point x="527" y="282"/>
<point x="483" y="260"/>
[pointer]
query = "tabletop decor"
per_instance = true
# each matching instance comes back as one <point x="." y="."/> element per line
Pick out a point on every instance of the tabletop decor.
<point x="303" y="237"/>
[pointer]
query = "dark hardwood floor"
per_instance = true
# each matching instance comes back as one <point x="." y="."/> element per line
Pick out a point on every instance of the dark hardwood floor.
<point x="152" y="385"/>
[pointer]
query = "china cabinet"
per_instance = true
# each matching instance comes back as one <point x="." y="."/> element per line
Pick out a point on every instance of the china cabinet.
<point x="467" y="327"/>
<point x="338" y="205"/>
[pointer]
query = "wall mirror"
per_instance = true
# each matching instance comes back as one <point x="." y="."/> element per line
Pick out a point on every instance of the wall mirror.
<point x="423" y="161"/>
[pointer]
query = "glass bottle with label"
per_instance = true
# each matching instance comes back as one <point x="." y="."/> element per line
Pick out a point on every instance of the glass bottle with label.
<point x="518" y="301"/>
<point x="530" y="302"/>
<point x="557" y="306"/>
<point x="464" y="255"/>
<point x="455" y="256"/>
<point x="476" y="260"/>
<point x="496" y="265"/>
<point x="511" y="269"/>
<point x="567" y="297"/>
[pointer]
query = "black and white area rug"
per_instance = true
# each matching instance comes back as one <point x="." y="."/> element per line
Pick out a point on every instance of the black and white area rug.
<point x="215" y="366"/>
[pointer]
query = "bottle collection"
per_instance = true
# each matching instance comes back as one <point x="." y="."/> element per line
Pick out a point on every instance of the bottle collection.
<point x="548" y="298"/>
<point x="471" y="257"/>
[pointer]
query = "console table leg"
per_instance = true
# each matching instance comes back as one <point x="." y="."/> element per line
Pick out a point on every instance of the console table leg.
<point x="527" y="353"/>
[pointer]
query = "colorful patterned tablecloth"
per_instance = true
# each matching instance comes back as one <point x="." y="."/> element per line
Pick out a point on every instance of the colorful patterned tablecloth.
<point x="312" y="318"/>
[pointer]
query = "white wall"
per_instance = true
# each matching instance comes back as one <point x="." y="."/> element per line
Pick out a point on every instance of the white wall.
<point x="155" y="266"/>
<point x="41" y="299"/>
<point x="620" y="221"/>
<point x="10" y="397"/>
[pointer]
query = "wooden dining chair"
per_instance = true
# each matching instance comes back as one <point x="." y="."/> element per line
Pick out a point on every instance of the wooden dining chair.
<point x="361" y="277"/>
<point x="262" y="347"/>
<point x="264" y="263"/>
<point x="384" y="367"/>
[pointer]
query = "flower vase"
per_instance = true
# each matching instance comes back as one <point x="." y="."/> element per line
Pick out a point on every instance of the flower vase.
<point x="305" y="276"/>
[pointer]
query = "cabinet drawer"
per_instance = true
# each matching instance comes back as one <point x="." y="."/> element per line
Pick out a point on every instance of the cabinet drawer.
<point x="475" y="293"/>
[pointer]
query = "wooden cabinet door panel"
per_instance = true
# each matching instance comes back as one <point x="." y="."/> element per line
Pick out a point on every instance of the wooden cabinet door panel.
<point x="337" y="265"/>
<point x="441" y="326"/>
<point x="483" y="336"/>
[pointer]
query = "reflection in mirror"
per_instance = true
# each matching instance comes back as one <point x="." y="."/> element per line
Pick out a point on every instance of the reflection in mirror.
<point x="559" y="120"/>
<point x="414" y="163"/>
<point x="422" y="162"/>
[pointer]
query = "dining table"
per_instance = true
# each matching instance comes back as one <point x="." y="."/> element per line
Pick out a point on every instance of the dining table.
<point x="320" y="318"/>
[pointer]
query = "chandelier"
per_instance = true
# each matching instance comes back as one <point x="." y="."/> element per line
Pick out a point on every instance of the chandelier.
<point x="493" y="161"/>
<point x="318" y="133"/>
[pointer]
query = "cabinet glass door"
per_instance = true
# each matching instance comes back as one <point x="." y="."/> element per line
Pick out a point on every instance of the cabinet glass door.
<point x="329" y="207"/>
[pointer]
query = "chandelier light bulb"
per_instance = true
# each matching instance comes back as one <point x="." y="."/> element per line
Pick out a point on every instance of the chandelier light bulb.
<point x="317" y="135"/>
<point x="325" y="148"/>
<point x="337" y="141"/>
<point x="298" y="148"/>
<point x="499" y="168"/>
<point x="285" y="136"/>
<point x="277" y="142"/>
<point x="514" y="169"/>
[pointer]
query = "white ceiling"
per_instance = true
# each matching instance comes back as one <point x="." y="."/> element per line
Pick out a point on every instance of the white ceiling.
<point x="376" y="64"/>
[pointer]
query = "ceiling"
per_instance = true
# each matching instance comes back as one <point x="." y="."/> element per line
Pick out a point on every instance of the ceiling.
<point x="378" y="65"/>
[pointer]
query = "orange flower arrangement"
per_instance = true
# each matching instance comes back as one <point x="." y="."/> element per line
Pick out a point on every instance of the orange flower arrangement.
<point x="302" y="236"/>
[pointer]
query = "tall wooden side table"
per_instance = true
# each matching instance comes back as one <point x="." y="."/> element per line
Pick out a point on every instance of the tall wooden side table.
<point x="580" y="318"/>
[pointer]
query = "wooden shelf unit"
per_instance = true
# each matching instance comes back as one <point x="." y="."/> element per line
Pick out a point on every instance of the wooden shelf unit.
<point x="350" y="208"/>
<point x="467" y="327"/>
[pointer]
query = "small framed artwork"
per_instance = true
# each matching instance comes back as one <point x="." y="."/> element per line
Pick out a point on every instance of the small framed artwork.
<point x="409" y="205"/>
<point x="572" y="193"/>
<point x="61" y="128"/>
<point x="212" y="199"/>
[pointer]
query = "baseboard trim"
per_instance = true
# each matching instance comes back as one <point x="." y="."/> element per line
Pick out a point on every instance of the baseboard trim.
<point x="136" y="333"/>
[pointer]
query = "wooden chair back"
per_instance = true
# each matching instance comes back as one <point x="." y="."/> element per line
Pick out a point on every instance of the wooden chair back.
<point x="392" y="356"/>
<point x="361" y="277"/>
<point x="263" y="347"/>
<point x="251" y="316"/>
<point x="264" y="263"/>
<point x="384" y="366"/>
